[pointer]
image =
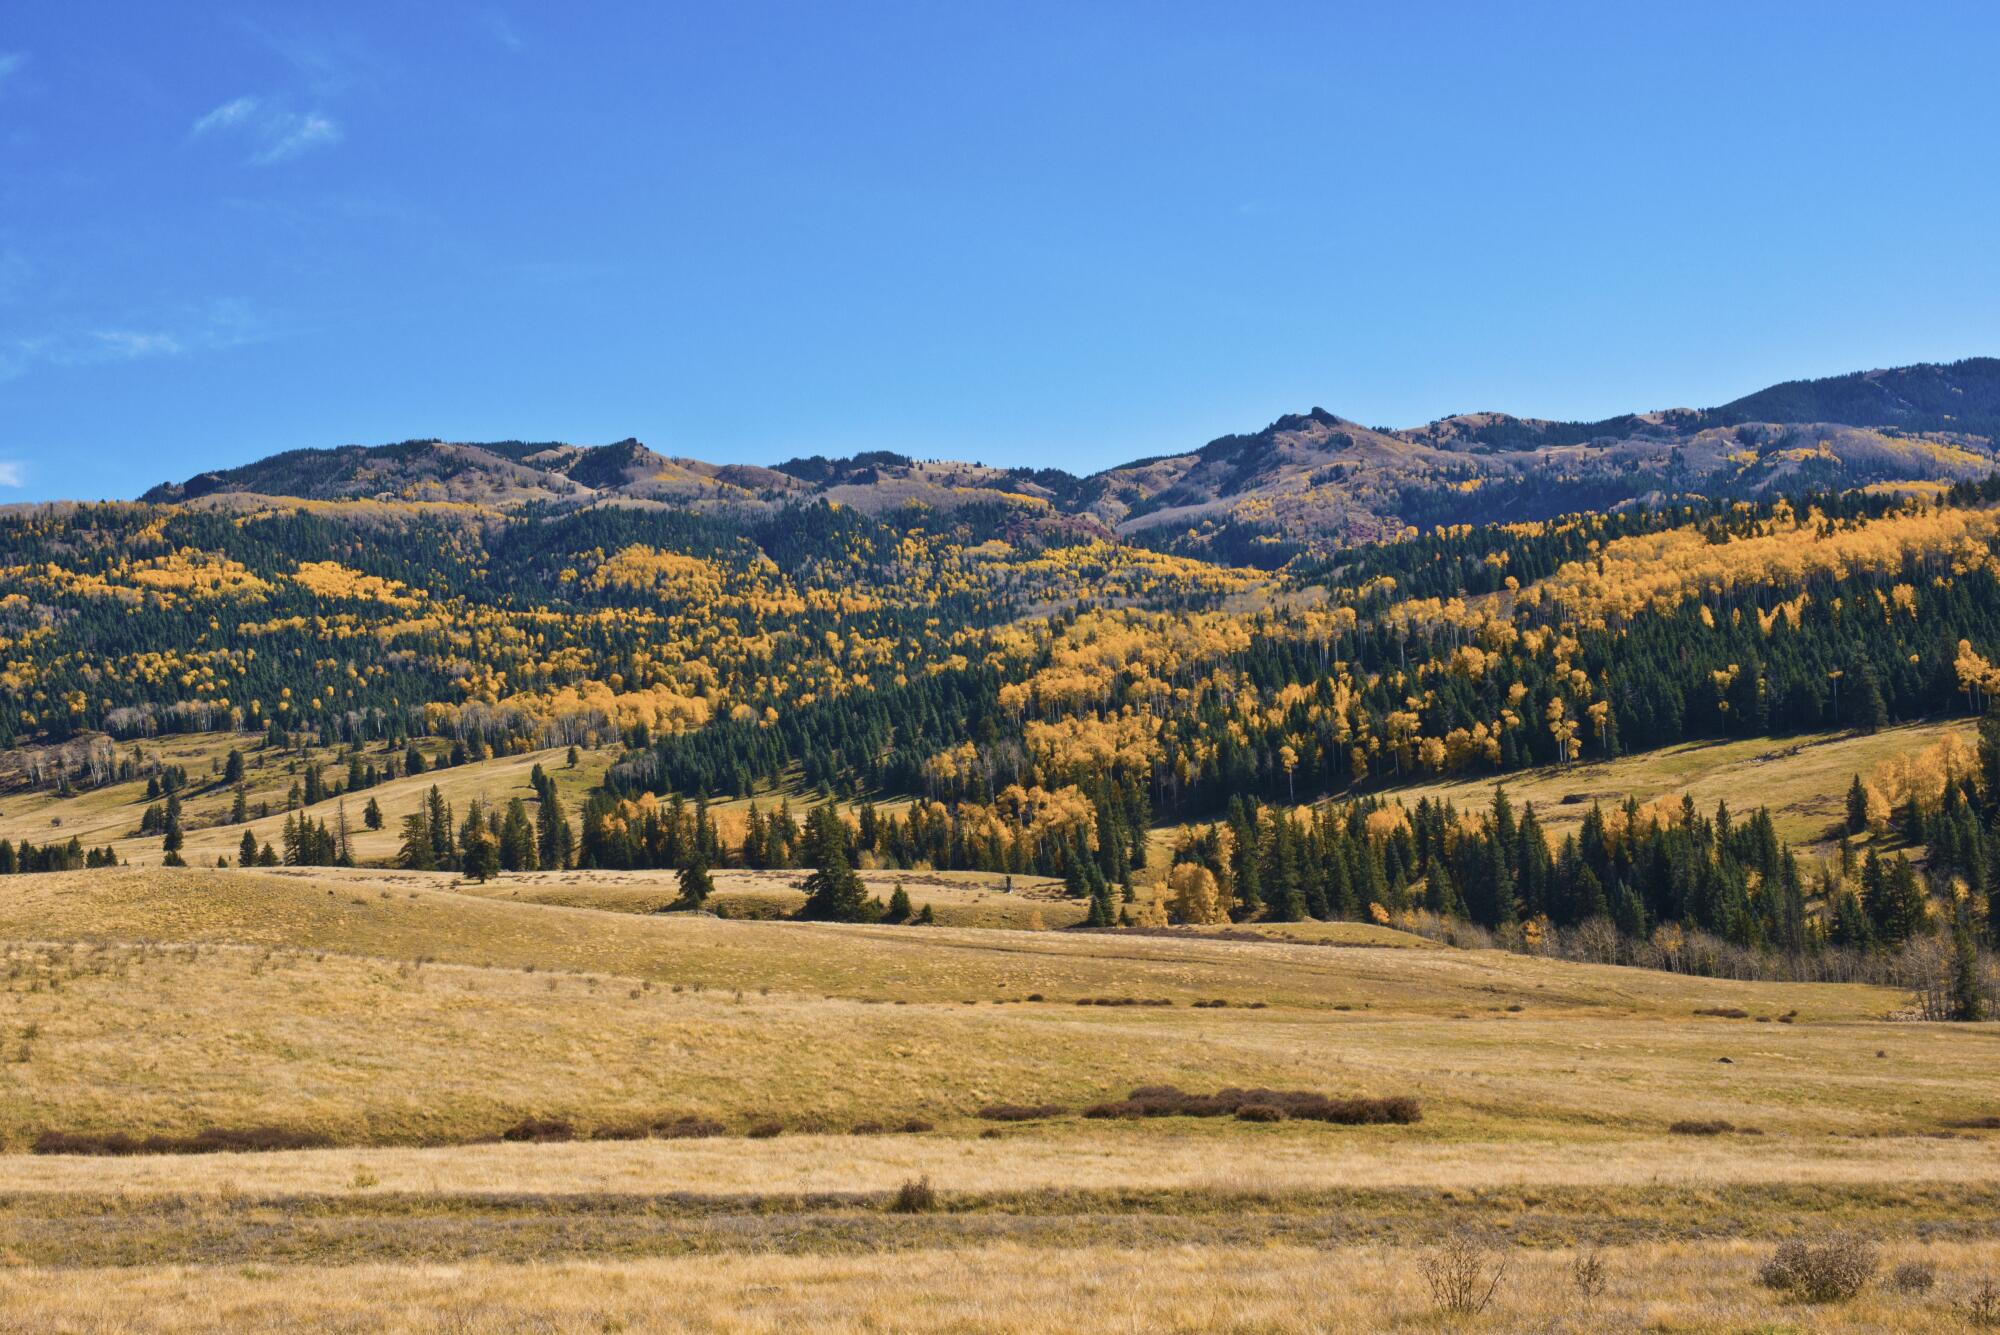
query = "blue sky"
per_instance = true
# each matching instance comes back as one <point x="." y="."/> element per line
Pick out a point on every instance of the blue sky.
<point x="1064" y="234"/>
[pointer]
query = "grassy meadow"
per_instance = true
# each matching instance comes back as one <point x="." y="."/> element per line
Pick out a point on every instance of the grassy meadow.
<point x="542" y="1104"/>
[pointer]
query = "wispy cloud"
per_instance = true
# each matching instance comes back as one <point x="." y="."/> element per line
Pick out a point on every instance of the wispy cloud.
<point x="502" y="30"/>
<point x="143" y="336"/>
<point x="11" y="64"/>
<point x="12" y="474"/>
<point x="237" y="112"/>
<point x="274" y="133"/>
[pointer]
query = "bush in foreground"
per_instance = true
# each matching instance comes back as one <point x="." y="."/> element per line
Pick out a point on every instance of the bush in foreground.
<point x="1828" y="1270"/>
<point x="1463" y="1273"/>
<point x="916" y="1196"/>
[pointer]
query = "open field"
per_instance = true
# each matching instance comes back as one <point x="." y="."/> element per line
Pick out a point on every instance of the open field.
<point x="1803" y="780"/>
<point x="408" y="1023"/>
<point x="1001" y="1287"/>
<point x="110" y="814"/>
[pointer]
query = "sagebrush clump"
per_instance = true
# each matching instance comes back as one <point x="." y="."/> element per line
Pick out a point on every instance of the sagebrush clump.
<point x="1829" y="1269"/>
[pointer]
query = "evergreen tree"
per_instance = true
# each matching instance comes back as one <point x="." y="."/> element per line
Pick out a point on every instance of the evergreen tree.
<point x="1968" y="996"/>
<point x="696" y="884"/>
<point x="1857" y="807"/>
<point x="833" y="892"/>
<point x="1871" y="713"/>
<point x="174" y="838"/>
<point x="1101" y="913"/>
<point x="478" y="851"/>
<point x="419" y="850"/>
<point x="246" y="852"/>
<point x="517" y="839"/>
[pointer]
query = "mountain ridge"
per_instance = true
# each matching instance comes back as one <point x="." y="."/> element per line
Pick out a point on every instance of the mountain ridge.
<point x="1309" y="480"/>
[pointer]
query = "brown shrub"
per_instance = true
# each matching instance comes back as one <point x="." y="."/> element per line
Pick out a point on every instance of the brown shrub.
<point x="1831" y="1269"/>
<point x="1589" y="1277"/>
<point x="1981" y="1304"/>
<point x="1021" y="1112"/>
<point x="765" y="1131"/>
<point x="539" y="1131"/>
<point x="916" y="1196"/>
<point x="1463" y="1273"/>
<point x="1913" y="1277"/>
<point x="1724" y="1012"/>
<point x="1259" y="1112"/>
<point x="209" y="1140"/>
<point x="1303" y="1105"/>
<point x="686" y="1128"/>
<point x="619" y="1131"/>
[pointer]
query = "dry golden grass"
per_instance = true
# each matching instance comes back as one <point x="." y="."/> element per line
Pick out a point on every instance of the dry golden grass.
<point x="1803" y="780"/>
<point x="1704" y="1286"/>
<point x="877" y="962"/>
<point x="607" y="1018"/>
<point x="955" y="898"/>
<point x="147" y="1001"/>
<point x="111" y="814"/>
<point x="1181" y="1155"/>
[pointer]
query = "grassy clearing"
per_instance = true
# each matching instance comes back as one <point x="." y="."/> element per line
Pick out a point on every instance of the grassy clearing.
<point x="955" y="898"/>
<point x="412" y="1021"/>
<point x="874" y="962"/>
<point x="334" y="1027"/>
<point x="1803" y="780"/>
<point x="110" y="815"/>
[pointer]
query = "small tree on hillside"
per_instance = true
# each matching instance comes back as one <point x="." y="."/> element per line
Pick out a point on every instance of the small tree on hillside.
<point x="479" y="853"/>
<point x="418" y="851"/>
<point x="696" y="884"/>
<point x="833" y="892"/>
<point x="1857" y="806"/>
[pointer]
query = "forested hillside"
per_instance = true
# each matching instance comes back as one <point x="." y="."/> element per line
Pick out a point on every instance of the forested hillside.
<point x="1034" y="673"/>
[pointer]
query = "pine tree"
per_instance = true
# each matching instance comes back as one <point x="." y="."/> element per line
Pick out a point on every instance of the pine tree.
<point x="479" y="854"/>
<point x="1871" y="713"/>
<point x="444" y="853"/>
<point x="1101" y="913"/>
<point x="1968" y="996"/>
<point x="1857" y="806"/>
<point x="517" y="839"/>
<point x="175" y="839"/>
<point x="833" y="892"/>
<point x="246" y="852"/>
<point x="419" y="850"/>
<point x="696" y="884"/>
<point x="371" y="815"/>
